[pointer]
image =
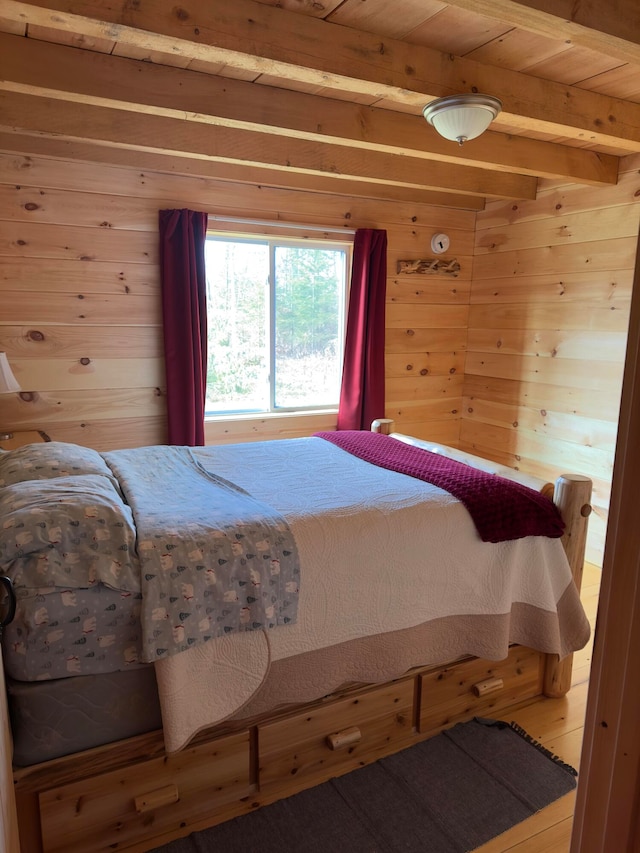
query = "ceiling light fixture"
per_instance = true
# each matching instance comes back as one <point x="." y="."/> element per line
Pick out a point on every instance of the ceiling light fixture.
<point x="462" y="117"/>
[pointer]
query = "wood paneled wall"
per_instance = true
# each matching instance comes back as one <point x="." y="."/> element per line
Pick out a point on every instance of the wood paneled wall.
<point x="80" y="313"/>
<point x="426" y="334"/>
<point x="547" y="332"/>
<point x="519" y="358"/>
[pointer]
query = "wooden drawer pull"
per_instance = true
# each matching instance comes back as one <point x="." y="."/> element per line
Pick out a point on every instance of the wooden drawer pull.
<point x="156" y="799"/>
<point x="489" y="685"/>
<point x="346" y="737"/>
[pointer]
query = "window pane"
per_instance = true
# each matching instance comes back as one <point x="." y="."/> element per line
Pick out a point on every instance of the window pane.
<point x="308" y="297"/>
<point x="237" y="284"/>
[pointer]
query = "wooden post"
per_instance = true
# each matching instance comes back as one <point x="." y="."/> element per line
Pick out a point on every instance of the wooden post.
<point x="572" y="496"/>
<point x="383" y="425"/>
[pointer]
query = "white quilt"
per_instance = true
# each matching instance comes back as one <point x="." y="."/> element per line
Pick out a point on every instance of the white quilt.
<point x="379" y="551"/>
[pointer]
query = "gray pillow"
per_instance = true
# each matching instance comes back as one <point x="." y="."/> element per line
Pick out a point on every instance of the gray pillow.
<point x="49" y="459"/>
<point x="67" y="532"/>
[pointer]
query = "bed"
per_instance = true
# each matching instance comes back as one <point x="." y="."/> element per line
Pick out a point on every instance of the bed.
<point x="337" y="628"/>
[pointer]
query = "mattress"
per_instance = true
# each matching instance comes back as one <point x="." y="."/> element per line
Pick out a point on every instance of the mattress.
<point x="53" y="718"/>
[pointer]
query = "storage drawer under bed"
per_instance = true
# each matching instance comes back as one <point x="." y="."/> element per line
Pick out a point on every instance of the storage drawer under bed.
<point x="146" y="799"/>
<point x="477" y="687"/>
<point x="331" y="740"/>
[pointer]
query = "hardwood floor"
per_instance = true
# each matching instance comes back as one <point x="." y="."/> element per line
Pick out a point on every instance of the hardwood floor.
<point x="558" y="724"/>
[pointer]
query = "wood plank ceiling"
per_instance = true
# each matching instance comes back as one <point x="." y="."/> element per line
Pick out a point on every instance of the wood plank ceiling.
<point x="327" y="94"/>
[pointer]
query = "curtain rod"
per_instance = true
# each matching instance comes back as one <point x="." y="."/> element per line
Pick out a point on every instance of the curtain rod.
<point x="349" y="232"/>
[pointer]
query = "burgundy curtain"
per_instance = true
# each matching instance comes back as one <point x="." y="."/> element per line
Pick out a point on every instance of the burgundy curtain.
<point x="184" y="307"/>
<point x="362" y="393"/>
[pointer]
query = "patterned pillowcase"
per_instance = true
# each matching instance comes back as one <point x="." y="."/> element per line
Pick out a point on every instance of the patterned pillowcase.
<point x="51" y="459"/>
<point x="70" y="532"/>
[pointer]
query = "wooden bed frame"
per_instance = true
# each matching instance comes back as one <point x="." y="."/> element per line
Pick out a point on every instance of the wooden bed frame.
<point x="131" y="796"/>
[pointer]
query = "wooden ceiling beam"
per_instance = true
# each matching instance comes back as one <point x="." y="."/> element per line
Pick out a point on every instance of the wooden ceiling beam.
<point x="28" y="151"/>
<point x="25" y="147"/>
<point x="611" y="27"/>
<point x="161" y="135"/>
<point x="80" y="76"/>
<point x="266" y="40"/>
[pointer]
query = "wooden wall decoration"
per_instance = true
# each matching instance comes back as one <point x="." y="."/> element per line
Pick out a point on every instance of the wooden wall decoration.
<point x="430" y="266"/>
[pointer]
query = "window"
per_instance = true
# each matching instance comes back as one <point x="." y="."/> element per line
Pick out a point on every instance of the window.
<point x="276" y="310"/>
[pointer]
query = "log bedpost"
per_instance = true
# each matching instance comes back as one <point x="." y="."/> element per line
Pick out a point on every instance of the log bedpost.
<point x="572" y="496"/>
<point x="382" y="425"/>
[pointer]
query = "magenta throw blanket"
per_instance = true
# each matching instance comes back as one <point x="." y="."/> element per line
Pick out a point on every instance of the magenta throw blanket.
<point x="501" y="509"/>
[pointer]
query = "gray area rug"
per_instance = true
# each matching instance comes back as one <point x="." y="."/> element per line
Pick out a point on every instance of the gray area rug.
<point x="449" y="794"/>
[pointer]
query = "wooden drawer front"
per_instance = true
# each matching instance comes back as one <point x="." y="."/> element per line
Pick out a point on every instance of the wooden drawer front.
<point x="379" y="723"/>
<point x="112" y="810"/>
<point x="478" y="687"/>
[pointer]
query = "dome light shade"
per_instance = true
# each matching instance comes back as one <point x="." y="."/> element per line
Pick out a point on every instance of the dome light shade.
<point x="462" y="117"/>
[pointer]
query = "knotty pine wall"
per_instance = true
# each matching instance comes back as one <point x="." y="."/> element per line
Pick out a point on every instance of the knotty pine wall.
<point x="547" y="332"/>
<point x="80" y="313"/>
<point x="518" y="359"/>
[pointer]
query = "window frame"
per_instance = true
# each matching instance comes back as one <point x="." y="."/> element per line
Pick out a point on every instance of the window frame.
<point x="302" y="238"/>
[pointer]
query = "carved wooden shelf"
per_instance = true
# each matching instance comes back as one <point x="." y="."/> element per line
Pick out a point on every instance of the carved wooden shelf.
<point x="430" y="266"/>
